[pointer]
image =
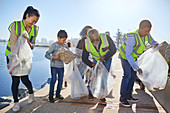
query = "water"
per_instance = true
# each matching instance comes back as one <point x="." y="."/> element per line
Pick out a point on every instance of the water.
<point x="38" y="76"/>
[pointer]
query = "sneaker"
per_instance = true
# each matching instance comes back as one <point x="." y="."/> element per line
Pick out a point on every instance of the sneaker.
<point x="16" y="107"/>
<point x="133" y="100"/>
<point x="51" y="99"/>
<point x="91" y="97"/>
<point x="59" y="97"/>
<point x="31" y="98"/>
<point x="125" y="103"/>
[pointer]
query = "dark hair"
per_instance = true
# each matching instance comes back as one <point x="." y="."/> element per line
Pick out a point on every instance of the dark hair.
<point x="84" y="30"/>
<point x="31" y="12"/>
<point x="145" y="23"/>
<point x="69" y="44"/>
<point x="62" y="34"/>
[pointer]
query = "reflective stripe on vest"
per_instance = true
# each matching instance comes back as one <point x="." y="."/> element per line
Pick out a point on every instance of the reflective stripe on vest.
<point x="91" y="49"/>
<point x="138" y="48"/>
<point x="88" y="47"/>
<point x="34" y="32"/>
<point x="19" y="28"/>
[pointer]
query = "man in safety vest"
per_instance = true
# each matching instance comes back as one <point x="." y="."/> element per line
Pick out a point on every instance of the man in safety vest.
<point x="130" y="50"/>
<point x="20" y="27"/>
<point x="101" y="47"/>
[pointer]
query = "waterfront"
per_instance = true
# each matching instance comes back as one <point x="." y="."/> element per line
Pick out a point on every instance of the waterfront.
<point x="39" y="73"/>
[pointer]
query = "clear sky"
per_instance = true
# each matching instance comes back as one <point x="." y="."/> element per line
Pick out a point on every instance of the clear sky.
<point x="104" y="15"/>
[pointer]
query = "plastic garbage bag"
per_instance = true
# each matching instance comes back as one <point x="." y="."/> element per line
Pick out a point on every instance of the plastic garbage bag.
<point x="155" y="69"/>
<point x="21" y="60"/>
<point x="68" y="72"/>
<point x="101" y="81"/>
<point x="65" y="55"/>
<point x="113" y="66"/>
<point x="78" y="60"/>
<point x="82" y="67"/>
<point x="78" y="87"/>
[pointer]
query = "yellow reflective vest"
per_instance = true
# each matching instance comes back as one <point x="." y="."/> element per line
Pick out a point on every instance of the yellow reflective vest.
<point x="19" y="28"/>
<point x="138" y="49"/>
<point x="91" y="49"/>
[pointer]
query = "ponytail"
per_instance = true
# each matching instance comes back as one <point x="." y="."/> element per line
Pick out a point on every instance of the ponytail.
<point x="31" y="12"/>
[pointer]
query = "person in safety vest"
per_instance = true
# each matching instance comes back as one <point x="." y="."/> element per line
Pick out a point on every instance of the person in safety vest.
<point x="80" y="45"/>
<point x="30" y="18"/>
<point x="102" y="48"/>
<point x="130" y="50"/>
<point x="83" y="35"/>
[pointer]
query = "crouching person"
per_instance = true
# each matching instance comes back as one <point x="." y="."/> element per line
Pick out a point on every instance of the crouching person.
<point x="102" y="48"/>
<point x="57" y="66"/>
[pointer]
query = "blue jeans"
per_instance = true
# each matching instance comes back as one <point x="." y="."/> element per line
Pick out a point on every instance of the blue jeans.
<point x="107" y="64"/>
<point x="54" y="72"/>
<point x="127" y="81"/>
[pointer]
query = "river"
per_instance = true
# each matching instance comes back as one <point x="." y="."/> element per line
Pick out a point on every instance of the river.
<point x="38" y="76"/>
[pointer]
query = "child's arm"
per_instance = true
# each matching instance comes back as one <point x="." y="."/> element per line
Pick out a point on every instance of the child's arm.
<point x="49" y="52"/>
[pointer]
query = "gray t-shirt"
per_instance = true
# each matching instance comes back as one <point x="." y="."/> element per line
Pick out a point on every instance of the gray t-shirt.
<point x="52" y="52"/>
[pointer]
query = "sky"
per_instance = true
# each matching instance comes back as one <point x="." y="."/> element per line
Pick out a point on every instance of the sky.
<point x="103" y="15"/>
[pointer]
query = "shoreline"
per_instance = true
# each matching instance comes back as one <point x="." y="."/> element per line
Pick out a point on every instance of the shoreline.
<point x="5" y="101"/>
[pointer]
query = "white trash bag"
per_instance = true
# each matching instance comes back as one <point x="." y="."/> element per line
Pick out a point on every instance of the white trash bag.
<point x="21" y="60"/>
<point x="82" y="67"/>
<point x="102" y="81"/>
<point x="78" y="60"/>
<point x="113" y="66"/>
<point x="68" y="72"/>
<point x="155" y="69"/>
<point x="78" y="87"/>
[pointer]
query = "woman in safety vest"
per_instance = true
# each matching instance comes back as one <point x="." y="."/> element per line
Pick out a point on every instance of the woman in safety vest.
<point x="80" y="45"/>
<point x="30" y="18"/>
<point x="84" y="36"/>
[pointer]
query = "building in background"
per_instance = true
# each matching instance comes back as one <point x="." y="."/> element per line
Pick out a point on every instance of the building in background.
<point x="74" y="41"/>
<point x="44" y="41"/>
<point x="51" y="42"/>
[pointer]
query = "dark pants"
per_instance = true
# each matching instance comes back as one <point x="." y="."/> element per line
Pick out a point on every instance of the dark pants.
<point x="54" y="72"/>
<point x="15" y="84"/>
<point x="127" y="81"/>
